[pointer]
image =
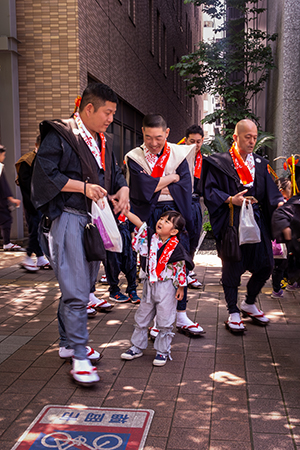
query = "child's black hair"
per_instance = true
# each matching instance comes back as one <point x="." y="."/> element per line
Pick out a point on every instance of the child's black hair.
<point x="282" y="183"/>
<point x="177" y="220"/>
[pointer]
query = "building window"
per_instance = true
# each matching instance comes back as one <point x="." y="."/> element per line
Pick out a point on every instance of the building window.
<point x="174" y="71"/>
<point x="151" y="25"/>
<point x="131" y="10"/>
<point x="165" y="51"/>
<point x="158" y="21"/>
<point x="179" y="12"/>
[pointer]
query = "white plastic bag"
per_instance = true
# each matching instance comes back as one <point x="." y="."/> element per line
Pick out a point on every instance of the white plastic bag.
<point x="104" y="219"/>
<point x="249" y="232"/>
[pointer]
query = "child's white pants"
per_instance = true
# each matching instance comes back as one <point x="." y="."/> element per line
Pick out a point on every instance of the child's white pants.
<point x="158" y="300"/>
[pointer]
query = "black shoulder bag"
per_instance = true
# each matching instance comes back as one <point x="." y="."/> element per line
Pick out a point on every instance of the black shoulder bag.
<point x="230" y="249"/>
<point x="92" y="240"/>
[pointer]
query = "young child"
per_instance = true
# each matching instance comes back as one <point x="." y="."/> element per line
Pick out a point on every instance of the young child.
<point x="164" y="261"/>
<point x="280" y="254"/>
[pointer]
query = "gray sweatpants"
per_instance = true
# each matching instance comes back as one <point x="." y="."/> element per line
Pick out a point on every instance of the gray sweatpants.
<point x="158" y="299"/>
<point x="75" y="276"/>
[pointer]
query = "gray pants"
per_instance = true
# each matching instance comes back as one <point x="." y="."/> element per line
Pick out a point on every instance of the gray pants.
<point x="75" y="277"/>
<point x="158" y="300"/>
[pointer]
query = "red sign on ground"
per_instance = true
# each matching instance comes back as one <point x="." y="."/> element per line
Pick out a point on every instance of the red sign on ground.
<point x="71" y="428"/>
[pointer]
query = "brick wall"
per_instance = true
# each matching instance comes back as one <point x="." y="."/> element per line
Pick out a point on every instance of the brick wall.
<point x="116" y="51"/>
<point x="48" y="63"/>
<point x="62" y="41"/>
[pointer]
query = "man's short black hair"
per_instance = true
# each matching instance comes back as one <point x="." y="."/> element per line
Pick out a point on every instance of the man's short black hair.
<point x="154" y="121"/>
<point x="97" y="94"/>
<point x="2" y="149"/>
<point x="194" y="129"/>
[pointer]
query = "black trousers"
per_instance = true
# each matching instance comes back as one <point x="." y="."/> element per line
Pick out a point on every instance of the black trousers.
<point x="258" y="259"/>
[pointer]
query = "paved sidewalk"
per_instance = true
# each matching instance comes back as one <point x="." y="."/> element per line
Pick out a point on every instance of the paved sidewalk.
<point x="220" y="392"/>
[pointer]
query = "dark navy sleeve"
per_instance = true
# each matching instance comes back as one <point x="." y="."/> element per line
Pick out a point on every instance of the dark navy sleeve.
<point x="142" y="187"/>
<point x="47" y="178"/>
<point x="182" y="191"/>
<point x="118" y="179"/>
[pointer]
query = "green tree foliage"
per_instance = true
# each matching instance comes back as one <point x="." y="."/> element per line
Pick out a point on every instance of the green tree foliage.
<point x="236" y="66"/>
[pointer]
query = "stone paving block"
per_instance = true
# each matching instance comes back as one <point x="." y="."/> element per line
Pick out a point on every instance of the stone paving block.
<point x="260" y="366"/>
<point x="203" y="386"/>
<point x="227" y="430"/>
<point x="191" y="419"/>
<point x="188" y="439"/>
<point x="154" y="392"/>
<point x="236" y="370"/>
<point x="130" y="384"/>
<point x="16" y="429"/>
<point x="194" y="402"/>
<point x="266" y="406"/>
<point x="119" y="399"/>
<point x="235" y="413"/>
<point x="230" y="397"/>
<point x="229" y="445"/>
<point x="263" y="441"/>
<point x="155" y="443"/>
<point x="262" y="378"/>
<point x="162" y="408"/>
<point x="160" y="426"/>
<point x="264" y="391"/>
<point x="291" y="399"/>
<point x="294" y="415"/>
<point x="198" y="360"/>
<point x="263" y="423"/>
<point x="193" y="374"/>
<point x="156" y="379"/>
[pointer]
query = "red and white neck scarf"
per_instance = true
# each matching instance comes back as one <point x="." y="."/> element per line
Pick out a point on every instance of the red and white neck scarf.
<point x="156" y="267"/>
<point x="98" y="154"/>
<point x="158" y="164"/>
<point x="198" y="165"/>
<point x="245" y="169"/>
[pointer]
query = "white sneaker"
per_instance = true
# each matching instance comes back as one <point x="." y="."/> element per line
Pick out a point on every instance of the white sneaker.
<point x="84" y="373"/>
<point x="234" y="323"/>
<point x="99" y="305"/>
<point x="91" y="354"/>
<point x="43" y="262"/>
<point x="29" y="264"/>
<point x="256" y="314"/>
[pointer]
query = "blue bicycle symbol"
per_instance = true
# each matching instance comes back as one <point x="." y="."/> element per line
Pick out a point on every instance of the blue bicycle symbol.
<point x="64" y="441"/>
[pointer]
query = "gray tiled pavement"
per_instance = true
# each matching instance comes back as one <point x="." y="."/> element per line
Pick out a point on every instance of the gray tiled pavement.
<point x="220" y="392"/>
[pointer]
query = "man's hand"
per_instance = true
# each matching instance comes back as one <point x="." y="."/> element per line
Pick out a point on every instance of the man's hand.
<point x="165" y="191"/>
<point x="120" y="199"/>
<point x="238" y="198"/>
<point x="287" y="234"/>
<point x="166" y="180"/>
<point x="179" y="293"/>
<point x="95" y="192"/>
<point x="15" y="201"/>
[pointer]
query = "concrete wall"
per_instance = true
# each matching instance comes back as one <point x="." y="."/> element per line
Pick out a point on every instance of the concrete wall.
<point x="283" y="92"/>
<point x="9" y="102"/>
